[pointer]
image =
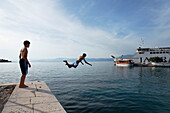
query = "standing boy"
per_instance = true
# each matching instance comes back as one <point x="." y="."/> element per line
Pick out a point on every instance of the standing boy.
<point x="24" y="63"/>
<point x="76" y="63"/>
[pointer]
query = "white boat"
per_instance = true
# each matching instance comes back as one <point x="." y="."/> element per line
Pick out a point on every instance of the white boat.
<point x="124" y="62"/>
<point x="142" y="55"/>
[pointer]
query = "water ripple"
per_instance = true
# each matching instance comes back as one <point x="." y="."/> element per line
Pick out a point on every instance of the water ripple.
<point x="101" y="88"/>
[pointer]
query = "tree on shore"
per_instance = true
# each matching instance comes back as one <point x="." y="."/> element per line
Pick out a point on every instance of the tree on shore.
<point x="156" y="59"/>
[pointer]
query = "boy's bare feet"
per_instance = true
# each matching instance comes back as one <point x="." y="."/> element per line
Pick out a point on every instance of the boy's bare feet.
<point x="23" y="86"/>
<point x="65" y="62"/>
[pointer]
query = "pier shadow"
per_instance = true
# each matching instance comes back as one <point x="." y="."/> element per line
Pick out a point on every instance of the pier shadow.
<point x="38" y="90"/>
<point x="26" y="106"/>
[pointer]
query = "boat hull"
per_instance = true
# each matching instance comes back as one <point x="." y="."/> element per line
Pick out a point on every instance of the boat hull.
<point x="124" y="65"/>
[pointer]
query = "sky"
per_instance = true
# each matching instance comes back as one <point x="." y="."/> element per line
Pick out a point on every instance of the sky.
<point x="67" y="28"/>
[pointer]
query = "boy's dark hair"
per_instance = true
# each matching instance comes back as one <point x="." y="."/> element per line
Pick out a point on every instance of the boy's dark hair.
<point x="26" y="42"/>
<point x="84" y="54"/>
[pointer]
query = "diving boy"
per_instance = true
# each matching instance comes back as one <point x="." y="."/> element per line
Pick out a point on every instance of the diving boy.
<point x="76" y="63"/>
<point x="24" y="63"/>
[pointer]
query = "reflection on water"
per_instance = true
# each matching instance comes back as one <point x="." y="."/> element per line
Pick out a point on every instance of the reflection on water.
<point x="102" y="88"/>
<point x="154" y="80"/>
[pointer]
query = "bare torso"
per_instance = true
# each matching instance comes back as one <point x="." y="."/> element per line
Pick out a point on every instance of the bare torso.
<point x="23" y="53"/>
<point x="80" y="58"/>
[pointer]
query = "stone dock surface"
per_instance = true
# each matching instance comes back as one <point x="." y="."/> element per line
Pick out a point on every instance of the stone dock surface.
<point x="37" y="98"/>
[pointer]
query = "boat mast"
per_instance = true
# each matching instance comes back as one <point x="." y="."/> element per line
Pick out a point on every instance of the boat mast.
<point x="141" y="42"/>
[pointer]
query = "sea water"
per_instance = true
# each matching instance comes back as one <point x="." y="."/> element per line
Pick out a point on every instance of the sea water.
<point x="102" y="88"/>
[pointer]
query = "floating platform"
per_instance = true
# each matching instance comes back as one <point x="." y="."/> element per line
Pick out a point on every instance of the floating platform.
<point x="151" y="65"/>
<point x="143" y="64"/>
<point x="37" y="98"/>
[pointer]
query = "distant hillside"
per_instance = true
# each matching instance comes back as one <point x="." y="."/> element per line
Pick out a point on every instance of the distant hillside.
<point x="125" y="56"/>
<point x="3" y="60"/>
<point x="72" y="59"/>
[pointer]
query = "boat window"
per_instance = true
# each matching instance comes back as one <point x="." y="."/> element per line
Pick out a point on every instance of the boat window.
<point x="141" y="52"/>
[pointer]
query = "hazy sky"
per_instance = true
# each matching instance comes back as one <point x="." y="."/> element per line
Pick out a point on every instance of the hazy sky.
<point x="67" y="28"/>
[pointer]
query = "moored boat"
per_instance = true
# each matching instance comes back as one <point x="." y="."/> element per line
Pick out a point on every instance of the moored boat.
<point x="143" y="55"/>
<point x="124" y="62"/>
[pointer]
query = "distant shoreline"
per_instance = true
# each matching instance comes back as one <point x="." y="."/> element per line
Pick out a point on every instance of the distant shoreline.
<point x="69" y="60"/>
<point x="3" y="60"/>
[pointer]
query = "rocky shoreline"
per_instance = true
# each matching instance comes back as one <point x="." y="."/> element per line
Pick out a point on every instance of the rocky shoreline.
<point x="5" y="92"/>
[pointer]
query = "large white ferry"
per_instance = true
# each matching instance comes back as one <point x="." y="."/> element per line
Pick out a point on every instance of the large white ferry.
<point x="142" y="55"/>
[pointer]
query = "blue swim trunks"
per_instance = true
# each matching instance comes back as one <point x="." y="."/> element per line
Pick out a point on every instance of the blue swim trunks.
<point x="23" y="66"/>
<point x="76" y="63"/>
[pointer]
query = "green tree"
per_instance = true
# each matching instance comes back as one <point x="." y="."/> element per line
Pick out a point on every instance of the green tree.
<point x="156" y="59"/>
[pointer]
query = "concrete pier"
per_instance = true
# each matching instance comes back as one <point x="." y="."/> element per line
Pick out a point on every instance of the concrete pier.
<point x="37" y="98"/>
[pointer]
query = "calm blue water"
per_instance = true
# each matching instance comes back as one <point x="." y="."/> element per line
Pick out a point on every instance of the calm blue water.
<point x="102" y="88"/>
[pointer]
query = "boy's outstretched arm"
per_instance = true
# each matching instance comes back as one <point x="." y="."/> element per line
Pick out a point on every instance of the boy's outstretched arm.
<point x="82" y="63"/>
<point x="87" y="62"/>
